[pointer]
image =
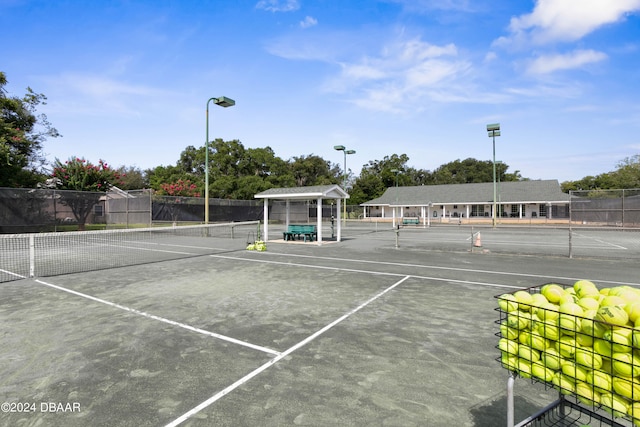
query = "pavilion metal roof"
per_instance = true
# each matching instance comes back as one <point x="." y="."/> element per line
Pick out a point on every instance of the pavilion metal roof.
<point x="543" y="191"/>
<point x="304" y="193"/>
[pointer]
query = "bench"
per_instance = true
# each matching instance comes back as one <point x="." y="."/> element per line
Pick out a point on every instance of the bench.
<point x="295" y="231"/>
<point x="407" y="221"/>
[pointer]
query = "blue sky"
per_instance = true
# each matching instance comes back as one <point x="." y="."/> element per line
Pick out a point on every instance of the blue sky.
<point x="128" y="81"/>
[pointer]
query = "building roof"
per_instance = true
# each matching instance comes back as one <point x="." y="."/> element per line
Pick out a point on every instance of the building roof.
<point x="304" y="193"/>
<point x="544" y="191"/>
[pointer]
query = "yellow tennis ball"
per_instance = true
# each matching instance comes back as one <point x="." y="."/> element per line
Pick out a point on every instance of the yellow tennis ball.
<point x="508" y="346"/>
<point x="508" y="332"/>
<point x="586" y="394"/>
<point x="525" y="300"/>
<point x="601" y="381"/>
<point x="566" y="346"/>
<point x="614" y="404"/>
<point x="528" y="353"/>
<point x="540" y="371"/>
<point x="585" y="288"/>
<point x="588" y="358"/>
<point x="634" y="412"/>
<point x="612" y="314"/>
<point x="627" y="387"/>
<point x="550" y="330"/>
<point x="612" y="301"/>
<point x="551" y="359"/>
<point x="588" y="303"/>
<point x="548" y="311"/>
<point x="564" y="384"/>
<point x="626" y="365"/>
<point x="574" y="370"/>
<point x="621" y="339"/>
<point x="552" y="292"/>
<point x="603" y="347"/>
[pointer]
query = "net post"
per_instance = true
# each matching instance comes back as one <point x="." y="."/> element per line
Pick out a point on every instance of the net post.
<point x="32" y="255"/>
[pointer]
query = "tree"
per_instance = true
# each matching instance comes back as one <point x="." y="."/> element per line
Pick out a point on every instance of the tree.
<point x="22" y="133"/>
<point x="132" y="178"/>
<point x="311" y="170"/>
<point x="86" y="180"/>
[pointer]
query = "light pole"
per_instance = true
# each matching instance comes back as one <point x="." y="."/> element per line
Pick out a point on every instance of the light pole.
<point x="493" y="131"/>
<point x="396" y="171"/>
<point x="344" y="180"/>
<point x="222" y="101"/>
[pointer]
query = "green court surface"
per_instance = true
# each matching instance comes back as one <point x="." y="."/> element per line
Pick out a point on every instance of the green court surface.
<point x="351" y="333"/>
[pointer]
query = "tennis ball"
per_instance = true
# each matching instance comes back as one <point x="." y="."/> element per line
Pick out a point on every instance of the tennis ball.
<point x="552" y="292"/>
<point x="518" y="320"/>
<point x="588" y="303"/>
<point x="551" y="331"/>
<point x="584" y="340"/>
<point x="524" y="368"/>
<point x="633" y="310"/>
<point x="569" y="316"/>
<point x="601" y="381"/>
<point x="586" y="394"/>
<point x="614" y="404"/>
<point x="527" y="353"/>
<point x="612" y="301"/>
<point x="621" y="339"/>
<point x="586" y="357"/>
<point x="566" y="346"/>
<point x="627" y="387"/>
<point x="568" y="297"/>
<point x="508" y="332"/>
<point x="626" y="365"/>
<point x="509" y="361"/>
<point x="523" y="338"/>
<point x="538" y="300"/>
<point x="508" y="346"/>
<point x="551" y="359"/>
<point x="563" y="383"/>
<point x="585" y="288"/>
<point x="574" y="370"/>
<point x="613" y="315"/>
<point x="540" y="371"/>
<point x="602" y="347"/>
<point x="507" y="302"/>
<point x="633" y="411"/>
<point x="524" y="299"/>
<point x="548" y="311"/>
<point x="538" y="342"/>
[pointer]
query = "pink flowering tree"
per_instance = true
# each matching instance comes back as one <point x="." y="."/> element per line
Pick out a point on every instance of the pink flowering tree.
<point x="176" y="194"/>
<point x="87" y="182"/>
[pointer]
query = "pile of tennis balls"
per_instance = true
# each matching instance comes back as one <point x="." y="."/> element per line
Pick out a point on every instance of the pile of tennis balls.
<point x="582" y="340"/>
<point x="258" y="245"/>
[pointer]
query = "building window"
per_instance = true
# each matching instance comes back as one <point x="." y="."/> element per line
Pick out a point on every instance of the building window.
<point x="98" y="210"/>
<point x="543" y="210"/>
<point x="514" y="210"/>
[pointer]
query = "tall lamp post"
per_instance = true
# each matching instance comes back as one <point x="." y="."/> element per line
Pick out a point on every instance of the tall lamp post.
<point x="222" y="101"/>
<point x="396" y="171"/>
<point x="494" y="130"/>
<point x="344" y="180"/>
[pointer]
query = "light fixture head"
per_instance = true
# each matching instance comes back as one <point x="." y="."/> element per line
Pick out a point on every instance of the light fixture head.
<point x="339" y="147"/>
<point x="493" y="127"/>
<point x="223" y="101"/>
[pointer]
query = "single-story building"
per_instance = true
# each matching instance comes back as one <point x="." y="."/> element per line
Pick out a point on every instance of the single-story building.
<point x="514" y="199"/>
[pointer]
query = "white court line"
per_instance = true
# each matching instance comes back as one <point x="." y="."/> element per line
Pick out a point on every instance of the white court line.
<point x="11" y="273"/>
<point x="275" y="360"/>
<point x="162" y="319"/>
<point x="600" y="241"/>
<point x="468" y="270"/>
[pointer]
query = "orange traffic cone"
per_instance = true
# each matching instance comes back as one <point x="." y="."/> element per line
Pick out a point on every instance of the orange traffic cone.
<point x="477" y="243"/>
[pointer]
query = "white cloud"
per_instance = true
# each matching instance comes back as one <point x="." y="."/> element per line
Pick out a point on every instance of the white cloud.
<point x="566" y="20"/>
<point x="402" y="73"/>
<point x="308" y="21"/>
<point x="545" y="64"/>
<point x="278" y="5"/>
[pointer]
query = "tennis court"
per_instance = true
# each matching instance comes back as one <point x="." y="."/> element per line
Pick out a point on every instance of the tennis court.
<point x="358" y="332"/>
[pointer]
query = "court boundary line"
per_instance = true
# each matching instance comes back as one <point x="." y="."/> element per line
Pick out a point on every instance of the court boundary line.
<point x="160" y="319"/>
<point x="416" y="276"/>
<point x="275" y="360"/>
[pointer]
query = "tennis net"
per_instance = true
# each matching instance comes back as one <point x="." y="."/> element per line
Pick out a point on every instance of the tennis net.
<point x="51" y="254"/>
